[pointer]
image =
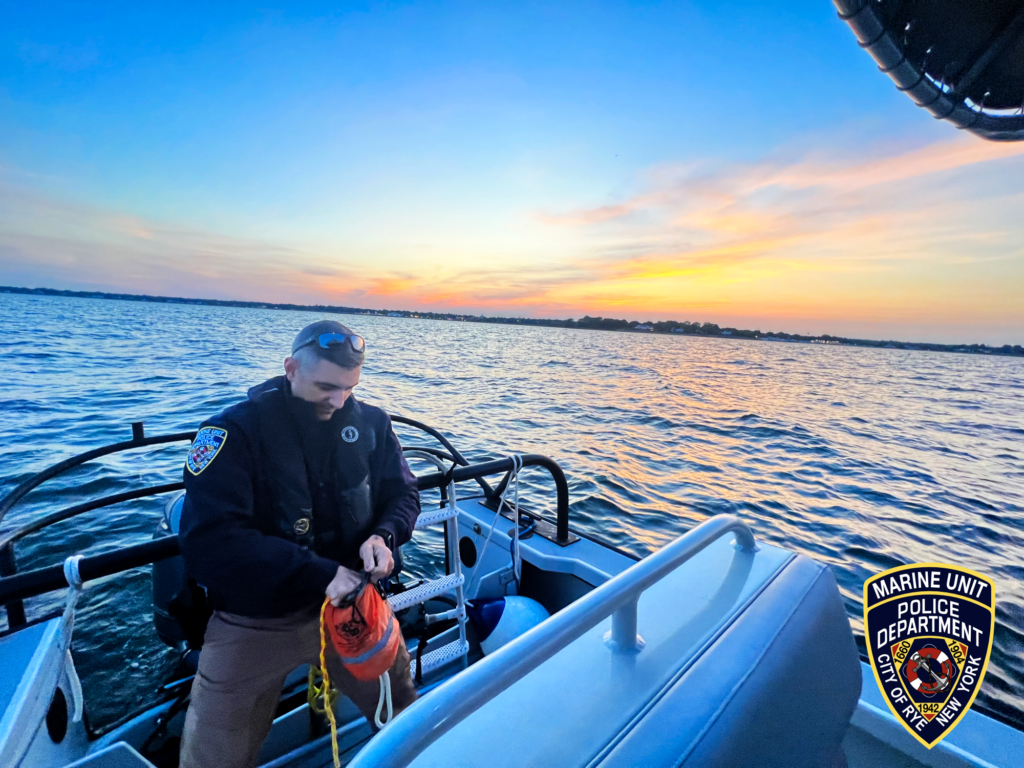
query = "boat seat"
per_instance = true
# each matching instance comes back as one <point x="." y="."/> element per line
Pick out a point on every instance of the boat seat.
<point x="748" y="660"/>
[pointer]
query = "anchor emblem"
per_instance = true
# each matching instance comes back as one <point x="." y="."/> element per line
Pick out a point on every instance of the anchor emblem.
<point x="920" y="662"/>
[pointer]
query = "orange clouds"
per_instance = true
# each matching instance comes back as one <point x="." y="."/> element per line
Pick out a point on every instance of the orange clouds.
<point x="828" y="235"/>
<point x="390" y="286"/>
<point x="592" y="216"/>
<point x="924" y="234"/>
<point x="927" y="161"/>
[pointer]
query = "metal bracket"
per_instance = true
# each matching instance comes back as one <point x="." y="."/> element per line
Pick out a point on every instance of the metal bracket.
<point x="542" y="527"/>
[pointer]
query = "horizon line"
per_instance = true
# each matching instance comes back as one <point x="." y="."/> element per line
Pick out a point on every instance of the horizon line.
<point x="630" y="326"/>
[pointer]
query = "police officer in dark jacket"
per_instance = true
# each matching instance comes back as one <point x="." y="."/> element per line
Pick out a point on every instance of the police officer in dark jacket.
<point x="289" y="494"/>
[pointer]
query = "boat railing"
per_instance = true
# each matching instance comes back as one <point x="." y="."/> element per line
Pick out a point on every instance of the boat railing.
<point x="15" y="587"/>
<point x="450" y="703"/>
<point x="139" y="440"/>
<point x="8" y="560"/>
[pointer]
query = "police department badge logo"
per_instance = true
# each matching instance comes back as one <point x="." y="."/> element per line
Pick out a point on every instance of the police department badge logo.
<point x="929" y="630"/>
<point x="350" y="434"/>
<point x="206" y="446"/>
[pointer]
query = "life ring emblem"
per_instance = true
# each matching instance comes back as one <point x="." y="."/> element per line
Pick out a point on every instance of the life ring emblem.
<point x="301" y="526"/>
<point x="350" y="434"/>
<point x="929" y="671"/>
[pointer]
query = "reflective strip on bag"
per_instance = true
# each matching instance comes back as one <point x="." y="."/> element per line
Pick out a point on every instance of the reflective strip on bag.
<point x="377" y="648"/>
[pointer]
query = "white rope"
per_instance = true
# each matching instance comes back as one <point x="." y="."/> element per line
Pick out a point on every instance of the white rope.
<point x="71" y="574"/>
<point x="385" y="697"/>
<point x="517" y="560"/>
<point x="517" y="465"/>
<point x="77" y="699"/>
<point x="74" y="580"/>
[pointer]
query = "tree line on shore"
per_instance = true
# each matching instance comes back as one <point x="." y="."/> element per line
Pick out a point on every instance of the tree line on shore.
<point x="585" y="322"/>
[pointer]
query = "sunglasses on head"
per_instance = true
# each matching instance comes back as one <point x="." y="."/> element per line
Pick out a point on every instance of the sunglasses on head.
<point x="331" y="340"/>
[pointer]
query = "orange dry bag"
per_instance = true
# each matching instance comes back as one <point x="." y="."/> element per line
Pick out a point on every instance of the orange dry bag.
<point x="364" y="632"/>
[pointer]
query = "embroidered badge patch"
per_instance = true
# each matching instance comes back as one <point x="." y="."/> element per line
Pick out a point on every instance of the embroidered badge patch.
<point x="206" y="446"/>
<point x="350" y="434"/>
<point x="929" y="630"/>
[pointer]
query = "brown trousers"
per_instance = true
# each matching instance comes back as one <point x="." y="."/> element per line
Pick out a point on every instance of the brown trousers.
<point x="241" y="672"/>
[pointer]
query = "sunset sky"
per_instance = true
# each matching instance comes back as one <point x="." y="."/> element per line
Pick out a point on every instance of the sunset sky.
<point x="739" y="163"/>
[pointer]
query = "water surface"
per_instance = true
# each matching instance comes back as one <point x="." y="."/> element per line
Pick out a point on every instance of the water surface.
<point x="861" y="458"/>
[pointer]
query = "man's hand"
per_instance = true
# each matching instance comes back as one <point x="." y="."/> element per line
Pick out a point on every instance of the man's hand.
<point x="377" y="559"/>
<point x="344" y="581"/>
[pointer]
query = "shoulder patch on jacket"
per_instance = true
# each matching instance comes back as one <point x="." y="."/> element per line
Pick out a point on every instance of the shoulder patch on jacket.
<point x="206" y="446"/>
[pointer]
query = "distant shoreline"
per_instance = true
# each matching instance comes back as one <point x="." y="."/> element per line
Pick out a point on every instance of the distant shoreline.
<point x="585" y="323"/>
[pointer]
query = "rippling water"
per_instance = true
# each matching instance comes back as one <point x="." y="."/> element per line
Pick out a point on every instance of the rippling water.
<point x="861" y="458"/>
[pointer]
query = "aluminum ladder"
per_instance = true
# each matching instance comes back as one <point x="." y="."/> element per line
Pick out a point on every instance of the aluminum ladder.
<point x="451" y="582"/>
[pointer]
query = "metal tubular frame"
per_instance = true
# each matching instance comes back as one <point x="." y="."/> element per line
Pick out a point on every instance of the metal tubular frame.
<point x="434" y="452"/>
<point x="9" y="537"/>
<point x="449" y="704"/>
<point x="16" y="608"/>
<point x="43" y="580"/>
<point x="15" y="587"/>
<point x="458" y="457"/>
<point x="8" y="560"/>
<point x="38" y="479"/>
<point x="528" y="460"/>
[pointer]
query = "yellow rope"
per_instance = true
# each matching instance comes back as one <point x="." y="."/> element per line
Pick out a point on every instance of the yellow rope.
<point x="328" y="702"/>
<point x="315" y="691"/>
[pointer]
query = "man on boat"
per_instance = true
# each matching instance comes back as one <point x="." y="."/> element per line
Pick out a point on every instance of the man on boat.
<point x="289" y="494"/>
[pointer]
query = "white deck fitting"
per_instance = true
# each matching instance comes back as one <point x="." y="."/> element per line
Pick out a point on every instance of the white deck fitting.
<point x="591" y="562"/>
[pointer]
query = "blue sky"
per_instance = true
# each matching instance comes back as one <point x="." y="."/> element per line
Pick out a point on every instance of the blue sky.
<point x="726" y="162"/>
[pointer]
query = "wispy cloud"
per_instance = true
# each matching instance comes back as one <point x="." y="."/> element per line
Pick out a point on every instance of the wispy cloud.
<point x="52" y="241"/>
<point x="929" y="234"/>
<point x="703" y="230"/>
<point x="593" y="215"/>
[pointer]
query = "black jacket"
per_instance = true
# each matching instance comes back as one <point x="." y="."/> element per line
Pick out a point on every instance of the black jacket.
<point x="276" y="499"/>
